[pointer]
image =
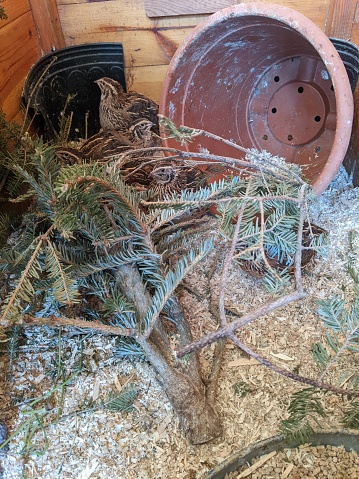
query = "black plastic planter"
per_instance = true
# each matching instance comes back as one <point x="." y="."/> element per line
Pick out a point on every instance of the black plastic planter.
<point x="349" y="53"/>
<point x="71" y="71"/>
<point x="277" y="443"/>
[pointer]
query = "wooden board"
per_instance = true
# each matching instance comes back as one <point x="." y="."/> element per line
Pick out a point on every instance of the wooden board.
<point x="148" y="43"/>
<point x="158" y="8"/>
<point x="48" y="25"/>
<point x="19" y="51"/>
<point x="141" y="48"/>
<point x="341" y="17"/>
<point x="13" y="10"/>
<point x="145" y="80"/>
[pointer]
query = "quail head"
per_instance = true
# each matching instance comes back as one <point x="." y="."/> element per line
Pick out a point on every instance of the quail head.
<point x="120" y="109"/>
<point x="167" y="179"/>
<point x="69" y="156"/>
<point x="141" y="134"/>
<point x="162" y="177"/>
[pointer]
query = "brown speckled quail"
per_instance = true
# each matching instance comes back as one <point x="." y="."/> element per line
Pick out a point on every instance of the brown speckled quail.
<point x="113" y="142"/>
<point x="160" y="177"/>
<point x="119" y="109"/>
<point x="168" y="179"/>
<point x="69" y="156"/>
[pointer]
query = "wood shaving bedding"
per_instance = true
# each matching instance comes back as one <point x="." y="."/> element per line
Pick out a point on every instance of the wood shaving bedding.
<point x="252" y="400"/>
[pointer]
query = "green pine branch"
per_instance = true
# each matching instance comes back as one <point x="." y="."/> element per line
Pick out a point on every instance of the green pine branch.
<point x="24" y="291"/>
<point x="351" y="415"/>
<point x="171" y="282"/>
<point x="303" y="410"/>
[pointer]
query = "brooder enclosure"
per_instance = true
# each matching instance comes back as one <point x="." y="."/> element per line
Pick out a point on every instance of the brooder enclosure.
<point x="164" y="302"/>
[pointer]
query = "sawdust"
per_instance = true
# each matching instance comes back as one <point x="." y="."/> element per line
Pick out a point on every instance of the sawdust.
<point x="147" y="442"/>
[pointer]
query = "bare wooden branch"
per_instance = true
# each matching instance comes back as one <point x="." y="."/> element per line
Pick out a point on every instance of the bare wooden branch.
<point x="227" y="263"/>
<point x="295" y="377"/>
<point x="245" y="319"/>
<point x="55" y="321"/>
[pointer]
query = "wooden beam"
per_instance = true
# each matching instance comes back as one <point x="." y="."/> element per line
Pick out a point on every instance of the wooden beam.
<point x="158" y="8"/>
<point x="19" y="51"/>
<point x="340" y="19"/>
<point x="14" y="10"/>
<point x="48" y="24"/>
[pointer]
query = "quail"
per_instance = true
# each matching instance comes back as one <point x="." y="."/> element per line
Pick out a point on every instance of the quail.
<point x="105" y="144"/>
<point x="119" y="109"/>
<point x="69" y="156"/>
<point x="113" y="142"/>
<point x="167" y="179"/>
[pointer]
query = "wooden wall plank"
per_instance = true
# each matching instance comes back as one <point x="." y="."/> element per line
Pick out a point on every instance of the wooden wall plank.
<point x="142" y="47"/>
<point x="158" y="8"/>
<point x="145" y="80"/>
<point x="148" y="43"/>
<point x="315" y="10"/>
<point x="14" y="10"/>
<point x="340" y="19"/>
<point x="354" y="37"/>
<point x="19" y="51"/>
<point x="48" y="25"/>
<point x="119" y="14"/>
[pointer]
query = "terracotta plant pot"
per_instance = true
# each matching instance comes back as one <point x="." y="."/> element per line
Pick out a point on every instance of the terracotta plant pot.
<point x="268" y="78"/>
<point x="344" y="438"/>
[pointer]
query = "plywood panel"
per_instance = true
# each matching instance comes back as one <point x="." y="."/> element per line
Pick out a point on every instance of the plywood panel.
<point x="19" y="51"/>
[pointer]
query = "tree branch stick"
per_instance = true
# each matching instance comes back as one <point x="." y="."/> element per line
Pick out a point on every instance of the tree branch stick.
<point x="227" y="264"/>
<point x="245" y="319"/>
<point x="55" y="321"/>
<point x="289" y="374"/>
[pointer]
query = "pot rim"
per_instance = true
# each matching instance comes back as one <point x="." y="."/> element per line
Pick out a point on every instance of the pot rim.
<point x="336" y="438"/>
<point x="326" y="50"/>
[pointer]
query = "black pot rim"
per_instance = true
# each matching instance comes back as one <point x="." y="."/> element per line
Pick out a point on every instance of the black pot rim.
<point x="346" y="438"/>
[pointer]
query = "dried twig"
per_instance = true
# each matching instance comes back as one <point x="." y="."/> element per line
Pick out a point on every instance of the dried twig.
<point x="289" y="374"/>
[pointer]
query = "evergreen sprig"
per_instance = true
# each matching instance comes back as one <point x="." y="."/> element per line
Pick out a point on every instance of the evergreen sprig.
<point x="121" y="401"/>
<point x="304" y="407"/>
<point x="351" y="415"/>
<point x="340" y="317"/>
<point x="172" y="280"/>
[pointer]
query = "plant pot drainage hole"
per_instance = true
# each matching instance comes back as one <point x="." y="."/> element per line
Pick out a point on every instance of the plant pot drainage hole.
<point x="293" y="106"/>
